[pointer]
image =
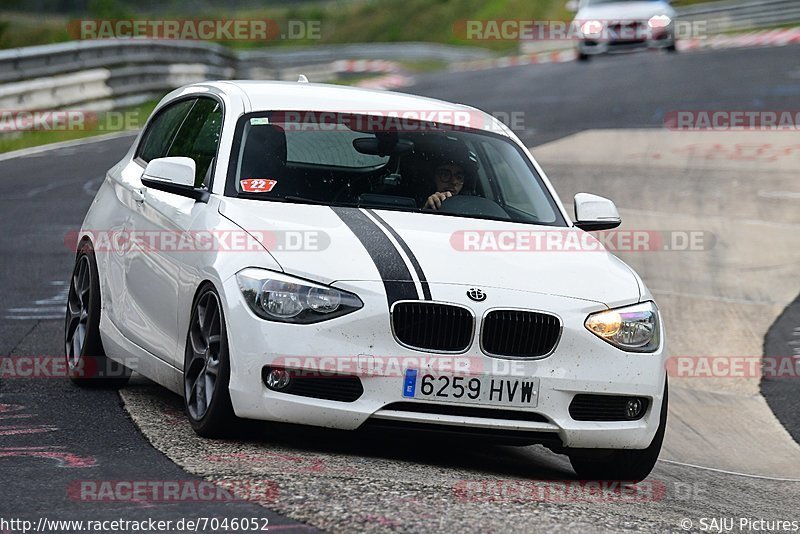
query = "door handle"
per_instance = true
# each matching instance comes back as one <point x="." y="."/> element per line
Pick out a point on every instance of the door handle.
<point x="138" y="195"/>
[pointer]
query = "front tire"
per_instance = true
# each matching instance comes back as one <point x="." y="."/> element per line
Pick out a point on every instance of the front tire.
<point x="206" y="370"/>
<point x="626" y="464"/>
<point x="87" y="363"/>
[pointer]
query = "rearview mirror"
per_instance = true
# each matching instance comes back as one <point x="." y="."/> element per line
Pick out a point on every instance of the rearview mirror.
<point x="595" y="213"/>
<point x="382" y="145"/>
<point x="174" y="175"/>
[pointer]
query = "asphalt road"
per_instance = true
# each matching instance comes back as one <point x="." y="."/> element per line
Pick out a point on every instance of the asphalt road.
<point x="624" y="91"/>
<point x="333" y="480"/>
<point x="54" y="436"/>
<point x="783" y="341"/>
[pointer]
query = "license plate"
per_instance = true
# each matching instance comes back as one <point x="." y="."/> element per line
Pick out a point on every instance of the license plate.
<point x="487" y="390"/>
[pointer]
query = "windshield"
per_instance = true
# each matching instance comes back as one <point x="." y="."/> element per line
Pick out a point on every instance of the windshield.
<point x="388" y="163"/>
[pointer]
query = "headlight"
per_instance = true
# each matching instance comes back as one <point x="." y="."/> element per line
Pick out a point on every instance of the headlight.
<point x="592" y="28"/>
<point x="277" y="297"/>
<point x="659" y="21"/>
<point x="633" y="328"/>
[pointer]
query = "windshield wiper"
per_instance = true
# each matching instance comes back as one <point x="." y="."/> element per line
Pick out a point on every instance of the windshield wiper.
<point x="304" y="200"/>
<point x="290" y="198"/>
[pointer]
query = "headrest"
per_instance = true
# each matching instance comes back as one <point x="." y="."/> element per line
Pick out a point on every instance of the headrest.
<point x="267" y="141"/>
<point x="440" y="149"/>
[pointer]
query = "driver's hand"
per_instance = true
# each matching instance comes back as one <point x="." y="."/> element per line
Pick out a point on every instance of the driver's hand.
<point x="434" y="201"/>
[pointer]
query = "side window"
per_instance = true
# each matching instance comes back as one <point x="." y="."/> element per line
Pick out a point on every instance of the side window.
<point x="198" y="138"/>
<point x="161" y="130"/>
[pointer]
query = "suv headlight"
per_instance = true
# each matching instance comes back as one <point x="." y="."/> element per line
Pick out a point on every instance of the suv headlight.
<point x="659" y="21"/>
<point x="277" y="297"/>
<point x="592" y="28"/>
<point x="632" y="328"/>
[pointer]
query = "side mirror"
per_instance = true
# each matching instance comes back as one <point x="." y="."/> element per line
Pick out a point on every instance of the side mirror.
<point x="174" y="175"/>
<point x="573" y="6"/>
<point x="595" y="213"/>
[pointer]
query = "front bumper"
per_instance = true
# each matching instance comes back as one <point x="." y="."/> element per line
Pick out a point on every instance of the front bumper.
<point x="581" y="363"/>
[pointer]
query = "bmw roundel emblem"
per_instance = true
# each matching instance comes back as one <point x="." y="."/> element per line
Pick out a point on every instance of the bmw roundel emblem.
<point x="476" y="294"/>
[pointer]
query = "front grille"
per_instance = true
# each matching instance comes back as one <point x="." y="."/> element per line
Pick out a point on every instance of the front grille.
<point x="336" y="387"/>
<point x="432" y="326"/>
<point x="604" y="408"/>
<point x="520" y="334"/>
<point x="466" y="411"/>
<point x="628" y="43"/>
<point x="630" y="32"/>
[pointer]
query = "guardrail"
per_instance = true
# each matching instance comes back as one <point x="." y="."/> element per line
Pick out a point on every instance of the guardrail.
<point x="736" y="15"/>
<point x="108" y="73"/>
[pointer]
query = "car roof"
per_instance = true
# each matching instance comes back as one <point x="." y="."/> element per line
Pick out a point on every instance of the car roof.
<point x="300" y="96"/>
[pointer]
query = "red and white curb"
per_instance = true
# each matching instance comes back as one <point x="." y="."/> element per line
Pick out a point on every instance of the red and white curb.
<point x="366" y="65"/>
<point x="394" y="81"/>
<point x="779" y="37"/>
<point x="390" y="81"/>
<point x="393" y="72"/>
<point x="394" y="77"/>
<point x="559" y="56"/>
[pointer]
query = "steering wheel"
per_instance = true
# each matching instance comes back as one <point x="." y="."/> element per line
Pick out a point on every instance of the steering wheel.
<point x="351" y="185"/>
<point x="473" y="205"/>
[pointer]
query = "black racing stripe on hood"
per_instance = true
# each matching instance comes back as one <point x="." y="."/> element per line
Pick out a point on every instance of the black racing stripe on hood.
<point x="393" y="271"/>
<point x="426" y="290"/>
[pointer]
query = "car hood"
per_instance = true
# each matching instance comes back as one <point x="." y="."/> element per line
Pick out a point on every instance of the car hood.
<point x="625" y="11"/>
<point x="327" y="245"/>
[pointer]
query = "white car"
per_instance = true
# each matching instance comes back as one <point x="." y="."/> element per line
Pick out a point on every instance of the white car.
<point x="608" y="26"/>
<point x="345" y="258"/>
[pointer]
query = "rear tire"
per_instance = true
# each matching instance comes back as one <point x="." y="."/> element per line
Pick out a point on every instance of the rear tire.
<point x="628" y="465"/>
<point x="87" y="363"/>
<point x="583" y="57"/>
<point x="206" y="369"/>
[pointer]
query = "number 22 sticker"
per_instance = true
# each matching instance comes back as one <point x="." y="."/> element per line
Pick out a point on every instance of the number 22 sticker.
<point x="258" y="185"/>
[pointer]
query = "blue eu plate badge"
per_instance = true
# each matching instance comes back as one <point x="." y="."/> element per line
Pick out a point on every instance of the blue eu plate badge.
<point x="410" y="383"/>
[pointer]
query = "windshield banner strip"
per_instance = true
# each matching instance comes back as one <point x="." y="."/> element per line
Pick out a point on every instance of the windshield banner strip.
<point x="426" y="290"/>
<point x="387" y="259"/>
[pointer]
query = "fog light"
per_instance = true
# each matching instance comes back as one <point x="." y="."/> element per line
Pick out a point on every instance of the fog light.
<point x="633" y="408"/>
<point x="277" y="379"/>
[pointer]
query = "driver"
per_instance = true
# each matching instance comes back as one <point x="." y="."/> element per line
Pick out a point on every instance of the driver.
<point x="449" y="180"/>
<point x="454" y="173"/>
